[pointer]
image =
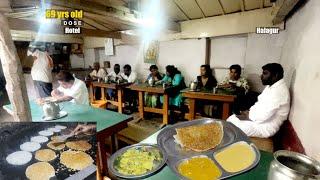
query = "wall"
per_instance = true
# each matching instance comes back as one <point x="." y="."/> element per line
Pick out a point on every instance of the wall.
<point x="301" y="60"/>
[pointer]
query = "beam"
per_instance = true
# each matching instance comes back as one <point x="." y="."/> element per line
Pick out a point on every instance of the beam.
<point x="242" y="5"/>
<point x="223" y="11"/>
<point x="283" y="8"/>
<point x="27" y="25"/>
<point x="12" y="69"/>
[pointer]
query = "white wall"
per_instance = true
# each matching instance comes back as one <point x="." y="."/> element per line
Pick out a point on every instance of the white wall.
<point x="301" y="60"/>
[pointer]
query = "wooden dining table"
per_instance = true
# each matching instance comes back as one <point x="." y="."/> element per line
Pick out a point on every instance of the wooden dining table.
<point x="222" y="96"/>
<point x="114" y="86"/>
<point x="158" y="89"/>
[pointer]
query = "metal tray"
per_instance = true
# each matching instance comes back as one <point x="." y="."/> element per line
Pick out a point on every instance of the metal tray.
<point x="114" y="172"/>
<point x="176" y="154"/>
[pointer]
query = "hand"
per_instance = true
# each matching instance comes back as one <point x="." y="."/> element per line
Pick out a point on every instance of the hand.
<point x="244" y="115"/>
<point x="158" y="82"/>
<point x="83" y="129"/>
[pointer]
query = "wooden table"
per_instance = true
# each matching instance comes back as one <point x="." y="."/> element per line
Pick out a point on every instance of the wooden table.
<point x="142" y="88"/>
<point x="108" y="124"/>
<point x="208" y="95"/>
<point x="114" y="86"/>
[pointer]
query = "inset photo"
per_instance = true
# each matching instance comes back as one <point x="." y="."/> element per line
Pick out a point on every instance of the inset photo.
<point x="48" y="151"/>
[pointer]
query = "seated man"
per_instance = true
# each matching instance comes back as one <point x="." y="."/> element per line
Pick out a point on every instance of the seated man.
<point x="128" y="75"/>
<point x="130" y="96"/>
<point x="265" y="117"/>
<point x="98" y="73"/>
<point x="70" y="89"/>
<point x="114" y="76"/>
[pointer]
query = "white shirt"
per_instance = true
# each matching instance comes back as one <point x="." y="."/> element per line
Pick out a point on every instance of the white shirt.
<point x="113" y="75"/>
<point x="101" y="73"/>
<point x="268" y="113"/>
<point x="78" y="92"/>
<point x="41" y="70"/>
<point x="131" y="78"/>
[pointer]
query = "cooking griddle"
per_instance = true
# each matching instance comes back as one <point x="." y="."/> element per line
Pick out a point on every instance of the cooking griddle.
<point x="12" y="135"/>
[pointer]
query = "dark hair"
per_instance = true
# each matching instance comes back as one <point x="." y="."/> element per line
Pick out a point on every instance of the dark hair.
<point x="64" y="76"/>
<point x="275" y="69"/>
<point x="117" y="65"/>
<point x="172" y="70"/>
<point x="127" y="66"/>
<point x="237" y="67"/>
<point x="208" y="69"/>
<point x="153" y="67"/>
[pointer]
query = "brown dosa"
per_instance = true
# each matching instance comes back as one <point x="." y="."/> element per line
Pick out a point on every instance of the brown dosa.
<point x="56" y="145"/>
<point x="45" y="155"/>
<point x="76" y="160"/>
<point x="200" y="137"/>
<point x="40" y="171"/>
<point x="79" y="145"/>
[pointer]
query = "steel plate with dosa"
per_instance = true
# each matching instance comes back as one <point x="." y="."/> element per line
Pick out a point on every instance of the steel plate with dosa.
<point x="231" y="137"/>
<point x="119" y="169"/>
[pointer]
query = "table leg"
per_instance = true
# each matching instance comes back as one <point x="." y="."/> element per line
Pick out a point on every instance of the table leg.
<point x="103" y="96"/>
<point x="192" y="103"/>
<point x="141" y="104"/>
<point x="114" y="143"/>
<point x="225" y="110"/>
<point x="165" y="109"/>
<point x="102" y="155"/>
<point x="91" y="92"/>
<point x="119" y="100"/>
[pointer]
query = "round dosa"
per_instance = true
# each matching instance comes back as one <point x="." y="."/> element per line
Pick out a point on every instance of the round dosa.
<point x="79" y="145"/>
<point x="55" y="130"/>
<point x="60" y="127"/>
<point x="76" y="160"/>
<point x="54" y="138"/>
<point x="58" y="147"/>
<point x="46" y="133"/>
<point x="39" y="139"/>
<point x="30" y="146"/>
<point x="40" y="171"/>
<point x="19" y="158"/>
<point x="45" y="155"/>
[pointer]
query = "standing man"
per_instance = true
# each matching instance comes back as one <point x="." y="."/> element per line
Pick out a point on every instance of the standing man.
<point x="41" y="71"/>
<point x="70" y="89"/>
<point x="272" y="108"/>
<point x="98" y="73"/>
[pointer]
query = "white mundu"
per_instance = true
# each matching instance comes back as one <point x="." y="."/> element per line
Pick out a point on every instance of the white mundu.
<point x="78" y="92"/>
<point x="268" y="113"/>
<point x="41" y="68"/>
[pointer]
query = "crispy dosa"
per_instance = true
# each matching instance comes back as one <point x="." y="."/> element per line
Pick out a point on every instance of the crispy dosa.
<point x="79" y="145"/>
<point x="40" y="171"/>
<point x="200" y="137"/>
<point x="76" y="160"/>
<point x="45" y="155"/>
<point x="56" y="145"/>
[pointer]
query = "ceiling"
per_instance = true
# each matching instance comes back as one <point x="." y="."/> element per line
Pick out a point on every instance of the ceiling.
<point x="120" y="15"/>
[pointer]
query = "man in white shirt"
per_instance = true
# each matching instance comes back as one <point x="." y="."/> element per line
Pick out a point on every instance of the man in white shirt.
<point x="70" y="89"/>
<point x="98" y="72"/>
<point x="266" y="116"/>
<point x="41" y="71"/>
<point x="128" y="75"/>
<point x="114" y="76"/>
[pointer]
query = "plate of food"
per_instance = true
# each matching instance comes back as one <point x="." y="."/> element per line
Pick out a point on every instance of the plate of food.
<point x="136" y="161"/>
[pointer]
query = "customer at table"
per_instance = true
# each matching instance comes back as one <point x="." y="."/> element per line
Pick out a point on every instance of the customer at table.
<point x="128" y="75"/>
<point x="266" y="116"/>
<point x="98" y="73"/>
<point x="151" y="100"/>
<point x="234" y="80"/>
<point x="114" y="76"/>
<point x="70" y="89"/>
<point x="206" y="80"/>
<point x="174" y="78"/>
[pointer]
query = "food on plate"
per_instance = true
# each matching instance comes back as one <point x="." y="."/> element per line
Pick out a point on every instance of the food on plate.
<point x="39" y="139"/>
<point x="55" y="130"/>
<point x="46" y="133"/>
<point x="45" y="155"/>
<point x="76" y="160"/>
<point x="56" y="145"/>
<point x="236" y="157"/>
<point x="40" y="171"/>
<point x="79" y="145"/>
<point x="137" y="161"/>
<point x="19" y="158"/>
<point x="30" y="146"/>
<point x="200" y="137"/>
<point x="60" y="127"/>
<point x="200" y="167"/>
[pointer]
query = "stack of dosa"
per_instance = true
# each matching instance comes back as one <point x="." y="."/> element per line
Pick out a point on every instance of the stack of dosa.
<point x="200" y="137"/>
